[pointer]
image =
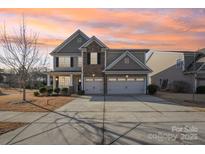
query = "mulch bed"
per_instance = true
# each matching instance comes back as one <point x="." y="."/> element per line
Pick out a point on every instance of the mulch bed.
<point x="13" y="102"/>
<point x="9" y="126"/>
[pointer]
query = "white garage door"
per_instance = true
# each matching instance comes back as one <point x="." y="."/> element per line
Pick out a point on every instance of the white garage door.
<point x="126" y="86"/>
<point x="93" y="86"/>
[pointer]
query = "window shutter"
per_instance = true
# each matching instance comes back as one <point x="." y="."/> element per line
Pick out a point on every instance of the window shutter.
<point x="99" y="58"/>
<point x="88" y="58"/>
<point x="57" y="61"/>
<point x="71" y="62"/>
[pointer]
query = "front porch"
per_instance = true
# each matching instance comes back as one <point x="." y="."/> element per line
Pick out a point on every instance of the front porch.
<point x="71" y="80"/>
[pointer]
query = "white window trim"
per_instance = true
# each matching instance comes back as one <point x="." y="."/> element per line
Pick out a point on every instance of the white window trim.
<point x="98" y="79"/>
<point x="64" y="61"/>
<point x="80" y="61"/>
<point x="121" y="79"/>
<point x="64" y="81"/>
<point x="93" y="58"/>
<point x="140" y="79"/>
<point x="112" y="79"/>
<point x="89" y="79"/>
<point x="130" y="79"/>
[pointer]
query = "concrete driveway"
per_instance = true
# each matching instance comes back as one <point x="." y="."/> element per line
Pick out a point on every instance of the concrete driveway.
<point x="138" y="119"/>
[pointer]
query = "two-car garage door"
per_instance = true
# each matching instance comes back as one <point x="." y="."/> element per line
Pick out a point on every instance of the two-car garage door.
<point x="126" y="86"/>
<point x="93" y="86"/>
<point x="115" y="85"/>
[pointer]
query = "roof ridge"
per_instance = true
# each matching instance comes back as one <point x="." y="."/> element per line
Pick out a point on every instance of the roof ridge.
<point x="93" y="38"/>
<point x="70" y="38"/>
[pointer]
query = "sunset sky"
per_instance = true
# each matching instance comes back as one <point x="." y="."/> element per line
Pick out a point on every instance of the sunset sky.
<point x="161" y="29"/>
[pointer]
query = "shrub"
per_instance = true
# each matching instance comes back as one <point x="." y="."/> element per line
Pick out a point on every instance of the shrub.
<point x="152" y="89"/>
<point x="65" y="91"/>
<point x="43" y="90"/>
<point x="200" y="90"/>
<point x="57" y="90"/>
<point x="36" y="93"/>
<point x="49" y="91"/>
<point x="180" y="86"/>
<point x="1" y="92"/>
<point x="81" y="92"/>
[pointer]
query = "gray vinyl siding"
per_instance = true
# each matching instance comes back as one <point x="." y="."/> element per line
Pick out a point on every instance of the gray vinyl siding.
<point x="140" y="56"/>
<point x="113" y="55"/>
<point x="132" y="66"/>
<point x="71" y="54"/>
<point x="172" y="74"/>
<point x="73" y="45"/>
<point x="75" y="68"/>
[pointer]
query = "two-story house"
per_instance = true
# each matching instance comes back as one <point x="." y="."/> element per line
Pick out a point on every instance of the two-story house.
<point x="83" y="63"/>
<point x="167" y="67"/>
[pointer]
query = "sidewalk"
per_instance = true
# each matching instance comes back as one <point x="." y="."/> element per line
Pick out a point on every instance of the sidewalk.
<point x="25" y="117"/>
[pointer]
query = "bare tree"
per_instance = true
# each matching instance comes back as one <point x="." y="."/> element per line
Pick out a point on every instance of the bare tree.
<point x="20" y="53"/>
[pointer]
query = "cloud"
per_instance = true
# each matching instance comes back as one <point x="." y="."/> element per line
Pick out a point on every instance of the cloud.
<point x="138" y="28"/>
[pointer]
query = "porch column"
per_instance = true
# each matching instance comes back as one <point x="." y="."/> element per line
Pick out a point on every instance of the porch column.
<point x="48" y="80"/>
<point x="195" y="82"/>
<point x="71" y="80"/>
<point x="146" y="84"/>
<point x="54" y="82"/>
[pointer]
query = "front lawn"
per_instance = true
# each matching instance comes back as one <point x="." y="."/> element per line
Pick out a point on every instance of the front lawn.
<point x="9" y="126"/>
<point x="9" y="101"/>
<point x="183" y="98"/>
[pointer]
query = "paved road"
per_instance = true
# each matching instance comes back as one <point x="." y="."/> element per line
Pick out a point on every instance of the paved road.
<point x="127" y="120"/>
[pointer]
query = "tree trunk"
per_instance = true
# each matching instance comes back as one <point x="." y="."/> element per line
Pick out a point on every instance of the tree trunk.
<point x="24" y="92"/>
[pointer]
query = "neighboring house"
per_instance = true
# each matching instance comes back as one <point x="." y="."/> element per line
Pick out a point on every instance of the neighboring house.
<point x="177" y="66"/>
<point x="8" y="79"/>
<point x="83" y="63"/>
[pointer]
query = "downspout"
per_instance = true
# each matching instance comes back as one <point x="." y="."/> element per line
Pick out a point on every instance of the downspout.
<point x="82" y="80"/>
<point x="194" y="78"/>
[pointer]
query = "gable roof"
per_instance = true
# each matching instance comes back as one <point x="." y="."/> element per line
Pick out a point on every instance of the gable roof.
<point x="123" y="55"/>
<point x="93" y="39"/>
<point x="195" y="65"/>
<point x="125" y="49"/>
<point x="69" y="39"/>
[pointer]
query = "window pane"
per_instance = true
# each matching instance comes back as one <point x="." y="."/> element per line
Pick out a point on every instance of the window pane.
<point x="64" y="81"/>
<point x="79" y="61"/>
<point x="121" y="79"/>
<point x="93" y="57"/>
<point x="98" y="79"/>
<point x="88" y="79"/>
<point x="112" y="79"/>
<point x="140" y="79"/>
<point x="131" y="79"/>
<point x="64" y="61"/>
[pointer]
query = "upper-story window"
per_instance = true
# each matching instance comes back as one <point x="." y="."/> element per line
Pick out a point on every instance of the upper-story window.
<point x="179" y="64"/>
<point x="64" y="61"/>
<point x="79" y="61"/>
<point x="93" y="58"/>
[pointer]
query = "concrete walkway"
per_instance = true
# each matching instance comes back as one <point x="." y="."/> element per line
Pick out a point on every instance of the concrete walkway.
<point x="127" y="120"/>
